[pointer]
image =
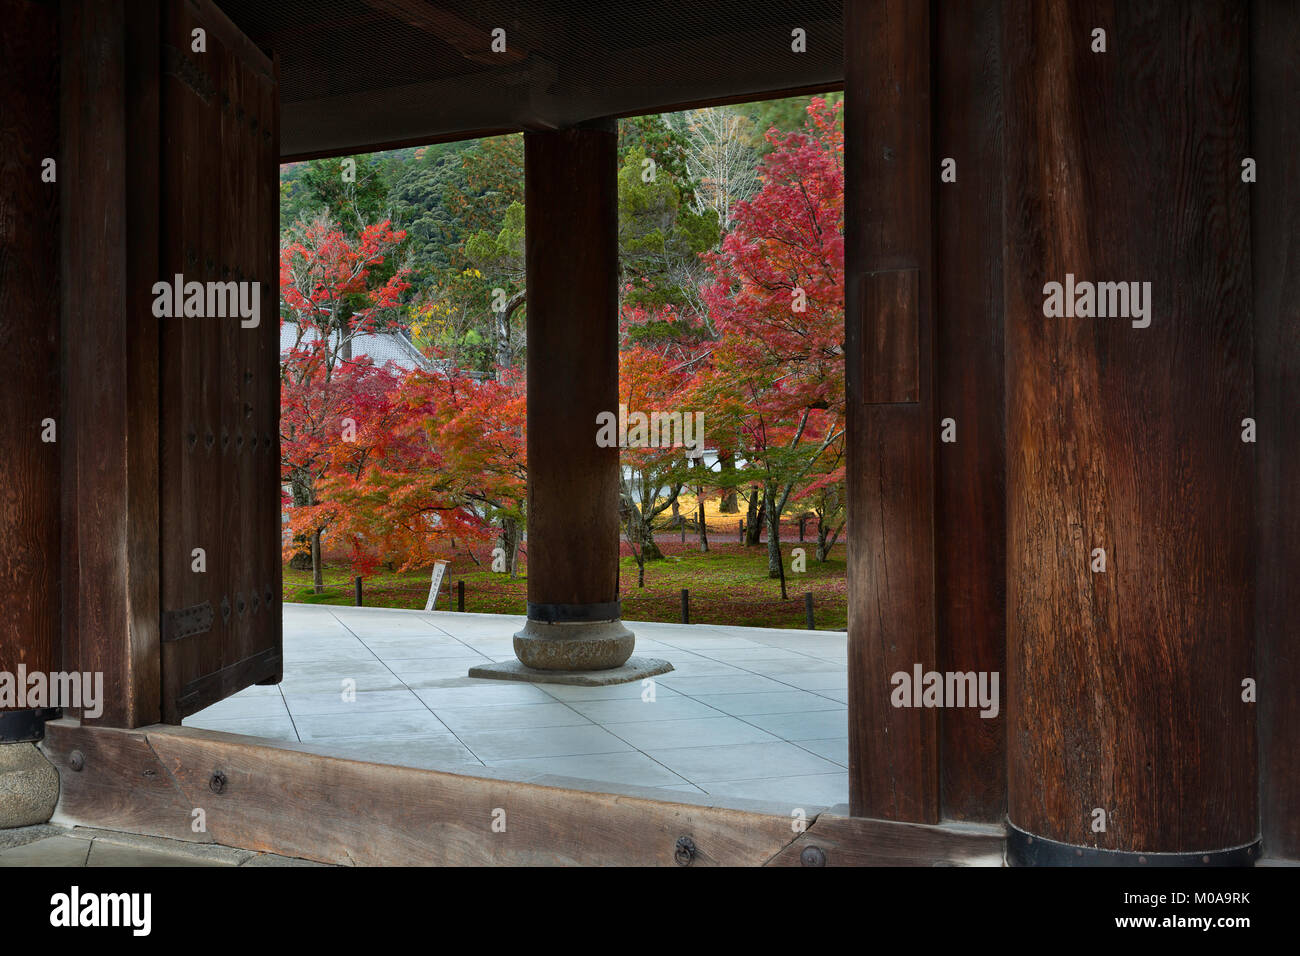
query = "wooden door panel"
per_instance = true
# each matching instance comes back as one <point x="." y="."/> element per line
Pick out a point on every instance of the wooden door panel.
<point x="219" y="379"/>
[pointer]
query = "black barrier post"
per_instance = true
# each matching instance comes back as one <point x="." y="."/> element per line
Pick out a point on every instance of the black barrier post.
<point x="460" y="595"/>
<point x="808" y="611"/>
<point x="358" y="582"/>
<point x="686" y="606"/>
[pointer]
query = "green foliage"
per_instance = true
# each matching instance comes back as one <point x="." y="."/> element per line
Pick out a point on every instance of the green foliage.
<point x="656" y="138"/>
<point x="659" y="237"/>
<point x="493" y="171"/>
<point x="422" y="185"/>
<point x="355" y="202"/>
<point x="787" y="115"/>
<point x="501" y="254"/>
<point x="296" y="201"/>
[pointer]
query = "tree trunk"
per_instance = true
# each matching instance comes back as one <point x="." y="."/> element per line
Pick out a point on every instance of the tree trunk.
<point x="730" y="505"/>
<point x="823" y="532"/>
<point x="754" y="519"/>
<point x="704" y="528"/>
<point x="775" y="566"/>
<point x="317" y="573"/>
<point x="300" y="488"/>
<point x="510" y="545"/>
<point x="649" y="548"/>
<point x="505" y="354"/>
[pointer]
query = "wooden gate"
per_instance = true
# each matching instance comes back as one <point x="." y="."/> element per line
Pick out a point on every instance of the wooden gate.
<point x="219" y="474"/>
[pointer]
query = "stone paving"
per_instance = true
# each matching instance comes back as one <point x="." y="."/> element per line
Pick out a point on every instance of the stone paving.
<point x="748" y="716"/>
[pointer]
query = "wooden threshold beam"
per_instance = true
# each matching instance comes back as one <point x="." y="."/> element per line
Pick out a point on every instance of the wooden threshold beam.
<point x="278" y="798"/>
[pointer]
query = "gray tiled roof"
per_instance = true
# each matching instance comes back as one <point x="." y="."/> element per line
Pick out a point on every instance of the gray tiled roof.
<point x="382" y="347"/>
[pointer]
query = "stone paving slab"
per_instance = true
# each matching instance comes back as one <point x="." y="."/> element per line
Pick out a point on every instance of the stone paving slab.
<point x="748" y="717"/>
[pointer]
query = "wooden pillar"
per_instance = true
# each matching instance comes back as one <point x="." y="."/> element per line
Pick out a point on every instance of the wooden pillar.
<point x="34" y="429"/>
<point x="571" y="239"/>
<point x="1275" y="220"/>
<point x="893" y="752"/>
<point x="1125" y="684"/>
<point x="970" y="460"/>
<point x="108" y="183"/>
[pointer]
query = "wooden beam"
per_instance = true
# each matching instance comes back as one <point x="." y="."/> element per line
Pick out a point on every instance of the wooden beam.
<point x="893" y="752"/>
<point x="350" y="812"/>
<point x="355" y="813"/>
<point x="858" y="841"/>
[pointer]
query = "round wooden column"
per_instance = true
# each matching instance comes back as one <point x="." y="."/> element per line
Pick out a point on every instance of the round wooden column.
<point x="1128" y="733"/>
<point x="571" y="237"/>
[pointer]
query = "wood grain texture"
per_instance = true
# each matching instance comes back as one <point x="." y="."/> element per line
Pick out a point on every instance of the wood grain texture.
<point x="857" y="841"/>
<point x="121" y="786"/>
<point x="350" y="812"/>
<point x="970" y="474"/>
<point x="220" y="380"/>
<point x="29" y="340"/>
<point x="1125" y="686"/>
<point x="109" y="253"/>
<point x="893" y="752"/>
<point x="890" y="352"/>
<point x="572" y="255"/>
<point x="294" y="801"/>
<point x="1275" y="219"/>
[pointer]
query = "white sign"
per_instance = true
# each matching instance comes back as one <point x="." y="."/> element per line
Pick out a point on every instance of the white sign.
<point x="438" y="569"/>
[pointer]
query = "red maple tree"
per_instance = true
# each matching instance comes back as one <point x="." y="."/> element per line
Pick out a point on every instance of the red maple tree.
<point x="776" y="375"/>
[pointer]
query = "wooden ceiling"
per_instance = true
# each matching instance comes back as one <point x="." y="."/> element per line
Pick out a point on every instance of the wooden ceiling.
<point x="364" y="74"/>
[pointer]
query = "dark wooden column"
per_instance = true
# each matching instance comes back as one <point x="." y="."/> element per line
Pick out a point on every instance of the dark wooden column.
<point x="29" y="342"/>
<point x="571" y="238"/>
<point x="108" y="183"/>
<point x="893" y="752"/>
<point x="970" y="469"/>
<point x="1275" y="218"/>
<point x="1126" y="685"/>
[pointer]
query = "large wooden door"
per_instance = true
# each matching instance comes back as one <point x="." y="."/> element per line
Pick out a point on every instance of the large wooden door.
<point x="219" y="442"/>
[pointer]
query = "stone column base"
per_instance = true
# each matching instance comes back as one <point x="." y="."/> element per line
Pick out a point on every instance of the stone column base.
<point x="29" y="786"/>
<point x="636" y="669"/>
<point x="574" y="645"/>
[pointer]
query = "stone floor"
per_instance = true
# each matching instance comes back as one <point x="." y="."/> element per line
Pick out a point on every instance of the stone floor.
<point x="749" y="715"/>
